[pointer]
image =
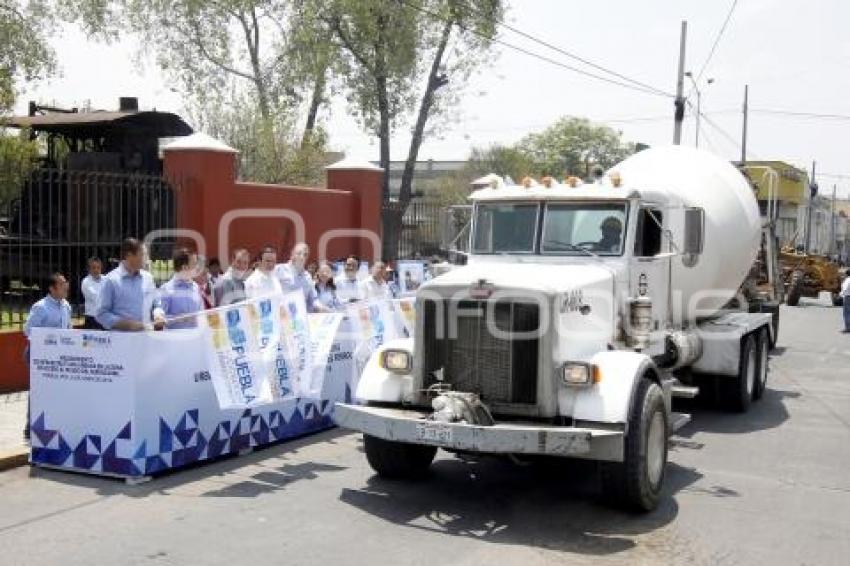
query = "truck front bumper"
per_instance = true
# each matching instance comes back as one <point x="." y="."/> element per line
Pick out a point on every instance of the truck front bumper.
<point x="411" y="426"/>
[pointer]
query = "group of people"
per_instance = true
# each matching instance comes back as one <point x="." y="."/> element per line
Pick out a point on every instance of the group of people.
<point x="127" y="298"/>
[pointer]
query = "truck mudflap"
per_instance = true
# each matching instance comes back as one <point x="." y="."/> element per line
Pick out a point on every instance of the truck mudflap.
<point x="411" y="426"/>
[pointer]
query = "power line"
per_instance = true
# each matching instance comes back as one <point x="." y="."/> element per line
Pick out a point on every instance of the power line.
<point x="717" y="40"/>
<point x="713" y="48"/>
<point x="587" y="62"/>
<point x="650" y="90"/>
<point x="801" y="114"/>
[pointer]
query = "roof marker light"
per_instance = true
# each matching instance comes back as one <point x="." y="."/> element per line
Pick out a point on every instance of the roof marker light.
<point x="615" y="179"/>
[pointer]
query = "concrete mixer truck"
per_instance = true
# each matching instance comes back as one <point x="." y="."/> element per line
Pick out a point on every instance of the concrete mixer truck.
<point x="582" y="311"/>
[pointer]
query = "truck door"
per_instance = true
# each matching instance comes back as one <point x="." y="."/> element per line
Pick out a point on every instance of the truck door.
<point x="649" y="275"/>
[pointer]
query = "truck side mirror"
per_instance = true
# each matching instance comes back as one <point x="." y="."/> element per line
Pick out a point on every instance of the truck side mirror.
<point x="694" y="235"/>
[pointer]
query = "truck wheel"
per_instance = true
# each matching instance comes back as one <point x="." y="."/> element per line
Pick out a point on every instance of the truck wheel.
<point x="635" y="483"/>
<point x="738" y="391"/>
<point x="398" y="460"/>
<point x="762" y="350"/>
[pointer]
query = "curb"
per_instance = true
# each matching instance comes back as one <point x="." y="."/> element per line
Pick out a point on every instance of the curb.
<point x="13" y="458"/>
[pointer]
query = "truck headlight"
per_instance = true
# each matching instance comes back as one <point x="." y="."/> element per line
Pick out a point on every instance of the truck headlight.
<point x="396" y="361"/>
<point x="579" y="373"/>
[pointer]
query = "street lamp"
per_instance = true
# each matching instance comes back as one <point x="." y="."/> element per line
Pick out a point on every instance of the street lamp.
<point x="690" y="75"/>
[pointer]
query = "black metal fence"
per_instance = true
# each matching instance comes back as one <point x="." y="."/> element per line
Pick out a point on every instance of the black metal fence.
<point x="61" y="218"/>
<point x="430" y="228"/>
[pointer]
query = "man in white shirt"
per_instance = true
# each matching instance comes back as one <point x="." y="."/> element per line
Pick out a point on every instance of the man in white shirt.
<point x="90" y="288"/>
<point x="262" y="282"/>
<point x="845" y="295"/>
<point x="347" y="284"/>
<point x="293" y="276"/>
<point x="375" y="286"/>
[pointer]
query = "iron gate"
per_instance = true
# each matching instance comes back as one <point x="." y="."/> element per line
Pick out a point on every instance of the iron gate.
<point x="61" y="218"/>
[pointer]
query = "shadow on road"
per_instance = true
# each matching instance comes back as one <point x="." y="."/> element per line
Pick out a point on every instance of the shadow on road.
<point x="553" y="506"/>
<point x="706" y="416"/>
<point x="271" y="478"/>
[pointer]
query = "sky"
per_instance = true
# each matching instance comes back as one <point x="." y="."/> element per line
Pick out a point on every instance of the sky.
<point x="794" y="56"/>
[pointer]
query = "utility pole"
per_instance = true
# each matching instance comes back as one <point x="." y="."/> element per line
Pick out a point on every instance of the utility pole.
<point x="679" y="115"/>
<point x="832" y="223"/>
<point x="744" y="129"/>
<point x="812" y="191"/>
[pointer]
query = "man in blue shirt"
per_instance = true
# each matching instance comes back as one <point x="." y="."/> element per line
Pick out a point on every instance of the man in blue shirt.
<point x="129" y="299"/>
<point x="181" y="296"/>
<point x="53" y="311"/>
<point x="294" y="275"/>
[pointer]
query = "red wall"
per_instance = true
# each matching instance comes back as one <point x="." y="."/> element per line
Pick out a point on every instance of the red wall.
<point x="14" y="373"/>
<point x="210" y="192"/>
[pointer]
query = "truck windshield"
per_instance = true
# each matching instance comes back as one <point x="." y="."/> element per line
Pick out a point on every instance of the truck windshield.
<point x="574" y="228"/>
<point x="505" y="228"/>
<point x="578" y="228"/>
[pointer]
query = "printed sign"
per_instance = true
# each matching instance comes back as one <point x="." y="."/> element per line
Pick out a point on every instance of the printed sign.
<point x="411" y="275"/>
<point x="241" y="379"/>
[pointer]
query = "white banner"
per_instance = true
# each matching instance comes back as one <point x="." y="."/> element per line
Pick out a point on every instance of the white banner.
<point x="324" y="328"/>
<point x="240" y="376"/>
<point x="295" y="334"/>
<point x="405" y="311"/>
<point x="277" y="357"/>
<point x="373" y="324"/>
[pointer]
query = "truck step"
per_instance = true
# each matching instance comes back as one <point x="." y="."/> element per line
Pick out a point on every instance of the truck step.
<point x="680" y="391"/>
<point x="678" y="420"/>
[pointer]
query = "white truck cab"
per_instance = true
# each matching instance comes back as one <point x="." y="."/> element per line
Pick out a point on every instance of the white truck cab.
<point x="564" y="333"/>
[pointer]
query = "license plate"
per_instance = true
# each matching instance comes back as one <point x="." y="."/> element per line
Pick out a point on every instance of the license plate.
<point x="434" y="432"/>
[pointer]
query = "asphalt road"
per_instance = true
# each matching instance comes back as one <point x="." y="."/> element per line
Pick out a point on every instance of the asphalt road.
<point x="768" y="487"/>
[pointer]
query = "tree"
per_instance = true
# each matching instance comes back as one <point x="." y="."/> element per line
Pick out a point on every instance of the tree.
<point x="503" y="160"/>
<point x="252" y="60"/>
<point x="574" y="146"/>
<point x="18" y="155"/>
<point x="268" y="152"/>
<point x="25" y="54"/>
<point x="407" y="58"/>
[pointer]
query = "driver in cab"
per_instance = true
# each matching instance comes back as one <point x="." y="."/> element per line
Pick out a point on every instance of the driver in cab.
<point x="612" y="232"/>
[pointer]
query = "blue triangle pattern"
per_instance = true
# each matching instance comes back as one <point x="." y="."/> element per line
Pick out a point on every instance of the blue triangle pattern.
<point x="141" y="452"/>
<point x="125" y="432"/>
<point x="82" y="458"/>
<point x="165" y="436"/>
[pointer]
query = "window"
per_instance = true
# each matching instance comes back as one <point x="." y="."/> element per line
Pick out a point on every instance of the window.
<point x="505" y="228"/>
<point x="570" y="228"/>
<point x="648" y="240"/>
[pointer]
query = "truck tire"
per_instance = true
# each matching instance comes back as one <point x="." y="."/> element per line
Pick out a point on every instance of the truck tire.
<point x="762" y="359"/>
<point x="398" y="460"/>
<point x="738" y="391"/>
<point x="635" y="483"/>
<point x="773" y="309"/>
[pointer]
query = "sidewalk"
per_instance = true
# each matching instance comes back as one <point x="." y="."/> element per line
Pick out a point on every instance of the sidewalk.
<point x="13" y="413"/>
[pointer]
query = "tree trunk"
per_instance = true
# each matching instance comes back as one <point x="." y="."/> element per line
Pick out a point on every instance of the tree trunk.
<point x="435" y="82"/>
<point x="315" y="103"/>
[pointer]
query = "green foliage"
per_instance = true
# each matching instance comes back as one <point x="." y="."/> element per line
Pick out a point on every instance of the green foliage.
<point x="269" y="151"/>
<point x="25" y="26"/>
<point x="389" y="49"/>
<point x="502" y="160"/>
<point x="17" y="159"/>
<point x="574" y="146"/>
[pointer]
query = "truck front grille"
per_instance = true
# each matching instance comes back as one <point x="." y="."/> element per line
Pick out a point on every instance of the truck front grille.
<point x="500" y="369"/>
